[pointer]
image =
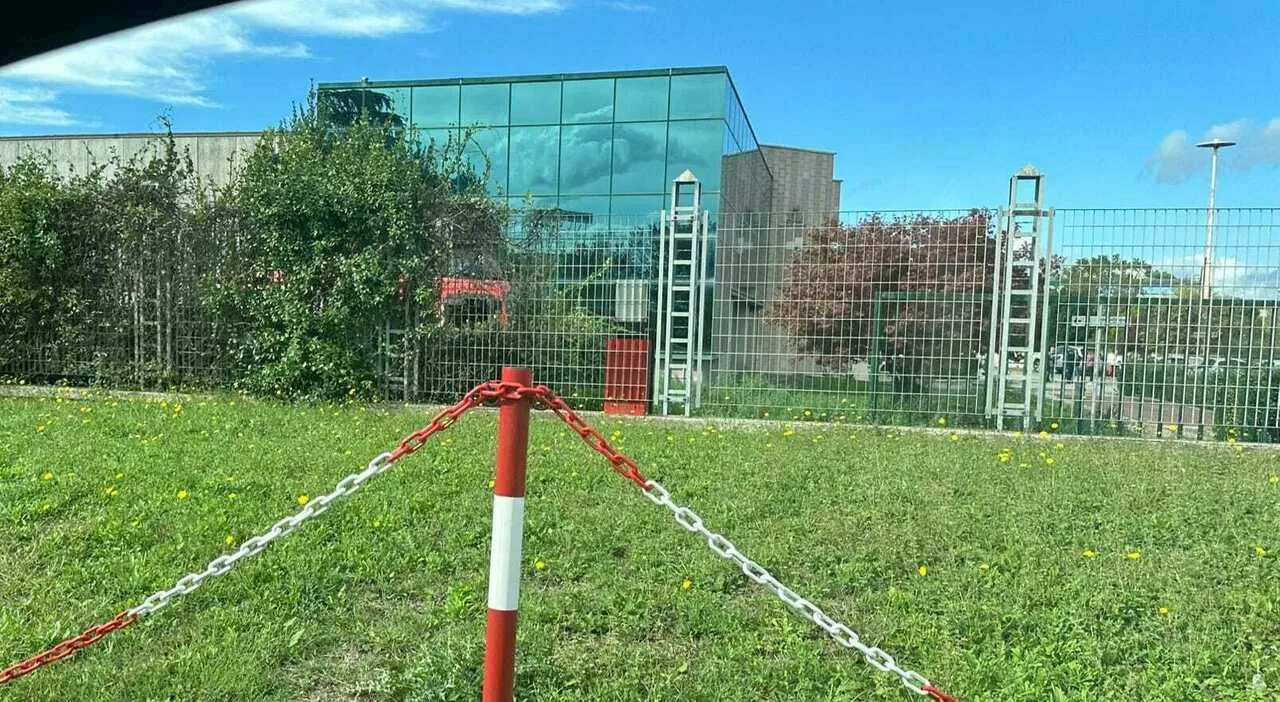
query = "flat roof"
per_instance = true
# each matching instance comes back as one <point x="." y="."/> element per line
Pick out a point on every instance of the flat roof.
<point x="123" y="135"/>
<point x="527" y="78"/>
<point x="797" y="148"/>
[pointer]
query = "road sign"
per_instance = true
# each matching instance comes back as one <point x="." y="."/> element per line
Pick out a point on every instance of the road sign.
<point x="1095" y="320"/>
<point x="1160" y="291"/>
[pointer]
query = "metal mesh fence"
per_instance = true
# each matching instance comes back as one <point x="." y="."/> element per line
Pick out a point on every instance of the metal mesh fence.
<point x="137" y="320"/>
<point x="1143" y="342"/>
<point x="857" y="316"/>
<point x="860" y="316"/>
<point x="572" y="303"/>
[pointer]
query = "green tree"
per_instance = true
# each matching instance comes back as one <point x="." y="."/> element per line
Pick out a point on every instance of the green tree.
<point x="338" y="231"/>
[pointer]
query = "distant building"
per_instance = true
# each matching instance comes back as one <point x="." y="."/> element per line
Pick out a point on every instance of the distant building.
<point x="215" y="156"/>
<point x="605" y="143"/>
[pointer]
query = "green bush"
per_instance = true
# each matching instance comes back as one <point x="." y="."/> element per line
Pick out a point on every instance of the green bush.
<point x="92" y="262"/>
<point x="337" y="233"/>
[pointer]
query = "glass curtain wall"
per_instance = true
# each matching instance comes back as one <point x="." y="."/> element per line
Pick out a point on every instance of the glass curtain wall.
<point x="602" y="146"/>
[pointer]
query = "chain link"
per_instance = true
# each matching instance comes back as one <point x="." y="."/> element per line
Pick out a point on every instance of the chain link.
<point x="66" y="648"/>
<point x="481" y="394"/>
<point x="843" y="635"/>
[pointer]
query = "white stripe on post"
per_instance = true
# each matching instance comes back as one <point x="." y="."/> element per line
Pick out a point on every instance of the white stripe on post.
<point x="504" y="553"/>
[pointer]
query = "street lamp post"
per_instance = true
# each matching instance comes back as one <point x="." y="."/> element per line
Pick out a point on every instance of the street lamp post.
<point x="1206" y="273"/>
<point x="1200" y="389"/>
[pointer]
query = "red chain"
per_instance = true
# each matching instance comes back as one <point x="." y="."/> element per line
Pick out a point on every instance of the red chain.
<point x="939" y="695"/>
<point x="66" y="648"/>
<point x="477" y="396"/>
<point x="497" y="390"/>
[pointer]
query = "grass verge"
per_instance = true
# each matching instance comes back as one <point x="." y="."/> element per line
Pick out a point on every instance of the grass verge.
<point x="1004" y="568"/>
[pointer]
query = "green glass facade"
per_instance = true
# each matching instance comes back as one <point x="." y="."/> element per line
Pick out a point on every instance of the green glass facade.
<point x="597" y="143"/>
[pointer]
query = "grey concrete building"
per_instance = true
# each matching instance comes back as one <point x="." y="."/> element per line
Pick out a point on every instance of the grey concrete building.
<point x="214" y="155"/>
<point x="802" y="180"/>
<point x="755" y="238"/>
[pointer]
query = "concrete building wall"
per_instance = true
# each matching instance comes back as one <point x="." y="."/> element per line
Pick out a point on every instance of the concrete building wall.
<point x="214" y="155"/>
<point x="754" y="246"/>
<point x="802" y="180"/>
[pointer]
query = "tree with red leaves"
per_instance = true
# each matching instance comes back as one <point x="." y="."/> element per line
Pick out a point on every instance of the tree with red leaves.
<point x="932" y="274"/>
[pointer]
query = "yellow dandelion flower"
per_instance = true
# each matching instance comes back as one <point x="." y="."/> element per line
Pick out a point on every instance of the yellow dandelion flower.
<point x="686" y="585"/>
<point x="229" y="540"/>
<point x="1089" y="553"/>
<point x="1044" y="434"/>
<point x="788" y="432"/>
<point x="377" y="524"/>
<point x="1163" y="611"/>
<point x="1134" y="555"/>
<point x="1048" y="461"/>
<point x="955" y="437"/>
<point x="1259" y="551"/>
<point x="1059" y="445"/>
<point x="942" y="421"/>
<point x="46" y="475"/>
<point x="40" y="429"/>
<point x="540" y="564"/>
<point x="183" y="494"/>
<point x="1053" y="426"/>
<point x="984" y="567"/>
<point x="1274" y="479"/>
<point x="119" y="476"/>
<point x="808" y="413"/>
<point x="303" y="499"/>
<point x="492" y="483"/>
<point x="1004" y="458"/>
<point x="922" y="571"/>
<point x="1171" y="427"/>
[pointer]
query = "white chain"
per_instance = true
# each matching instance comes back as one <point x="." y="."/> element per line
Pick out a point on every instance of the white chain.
<point x="847" y="637"/>
<point x="257" y="544"/>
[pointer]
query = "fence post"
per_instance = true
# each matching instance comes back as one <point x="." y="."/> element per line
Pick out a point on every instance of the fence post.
<point x="505" y="547"/>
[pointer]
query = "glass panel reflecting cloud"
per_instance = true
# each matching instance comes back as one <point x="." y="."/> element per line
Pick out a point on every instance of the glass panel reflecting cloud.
<point x="490" y="145"/>
<point x="535" y="160"/>
<point x="435" y="106"/>
<point x="698" y="96"/>
<point x="588" y="100"/>
<point x="639" y="157"/>
<point x="535" y="103"/>
<point x="485" y="104"/>
<point x="584" y="158"/>
<point x="696" y="146"/>
<point x="642" y="99"/>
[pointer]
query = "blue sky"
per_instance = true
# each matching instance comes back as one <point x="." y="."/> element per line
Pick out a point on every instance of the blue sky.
<point x="927" y="104"/>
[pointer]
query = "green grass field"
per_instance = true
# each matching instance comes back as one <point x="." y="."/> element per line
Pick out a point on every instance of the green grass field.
<point x="1071" y="569"/>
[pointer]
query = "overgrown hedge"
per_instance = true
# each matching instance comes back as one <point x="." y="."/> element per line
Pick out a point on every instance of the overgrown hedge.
<point x="280" y="284"/>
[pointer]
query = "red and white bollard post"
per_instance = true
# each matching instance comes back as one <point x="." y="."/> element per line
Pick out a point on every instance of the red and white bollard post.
<point x="504" y="553"/>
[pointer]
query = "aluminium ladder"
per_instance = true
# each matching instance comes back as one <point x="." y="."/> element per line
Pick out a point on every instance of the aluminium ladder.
<point x="1016" y="358"/>
<point x="682" y="270"/>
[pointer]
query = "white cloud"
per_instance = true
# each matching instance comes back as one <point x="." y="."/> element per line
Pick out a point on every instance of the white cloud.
<point x="631" y="6"/>
<point x="169" y="61"/>
<point x="31" y="106"/>
<point x="332" y="17"/>
<point x="1177" y="158"/>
